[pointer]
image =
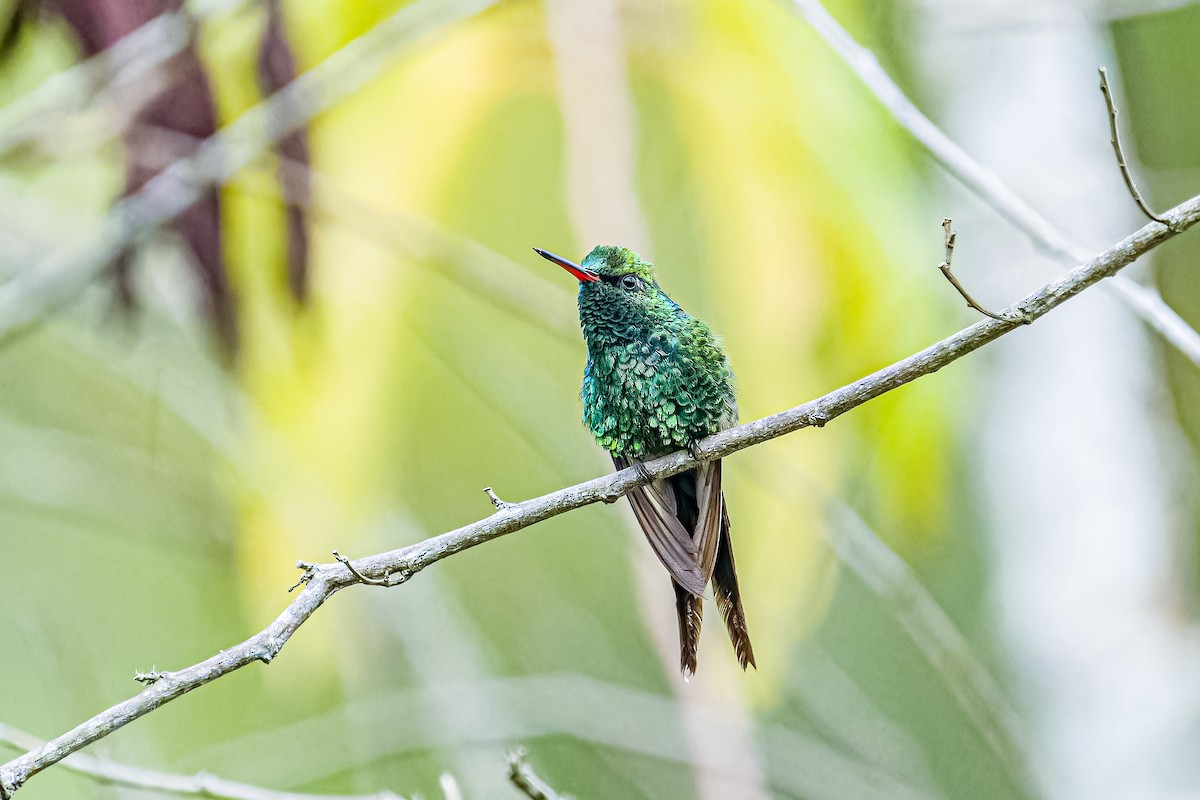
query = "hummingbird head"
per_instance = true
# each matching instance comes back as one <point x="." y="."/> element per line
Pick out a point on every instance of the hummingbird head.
<point x="619" y="281"/>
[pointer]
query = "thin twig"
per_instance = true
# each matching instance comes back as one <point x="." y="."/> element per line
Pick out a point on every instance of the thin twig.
<point x="306" y="575"/>
<point x="524" y="778"/>
<point x="951" y="238"/>
<point x="397" y="566"/>
<point x="1145" y="301"/>
<point x="496" y="501"/>
<point x="341" y="559"/>
<point x="199" y="785"/>
<point x="1119" y="151"/>
<point x="66" y="272"/>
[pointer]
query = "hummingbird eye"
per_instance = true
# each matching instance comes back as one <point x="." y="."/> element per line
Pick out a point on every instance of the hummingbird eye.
<point x="630" y="282"/>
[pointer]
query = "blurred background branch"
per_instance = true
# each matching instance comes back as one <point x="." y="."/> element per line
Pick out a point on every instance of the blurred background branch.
<point x="199" y="785"/>
<point x="66" y="272"/>
<point x="947" y="650"/>
<point x="36" y="116"/>
<point x="1143" y="300"/>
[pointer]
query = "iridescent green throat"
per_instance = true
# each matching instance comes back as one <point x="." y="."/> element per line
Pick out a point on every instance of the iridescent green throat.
<point x="656" y="379"/>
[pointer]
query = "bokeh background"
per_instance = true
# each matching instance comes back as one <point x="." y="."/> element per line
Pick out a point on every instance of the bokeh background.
<point x="981" y="585"/>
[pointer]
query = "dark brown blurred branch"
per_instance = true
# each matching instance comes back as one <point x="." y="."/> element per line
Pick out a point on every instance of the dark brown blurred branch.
<point x="1145" y="301"/>
<point x="199" y="785"/>
<point x="276" y="69"/>
<point x="1119" y="151"/>
<point x="61" y="277"/>
<point x="398" y="566"/>
<point x="524" y="778"/>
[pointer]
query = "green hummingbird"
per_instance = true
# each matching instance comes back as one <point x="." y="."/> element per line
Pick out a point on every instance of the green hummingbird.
<point x="657" y="381"/>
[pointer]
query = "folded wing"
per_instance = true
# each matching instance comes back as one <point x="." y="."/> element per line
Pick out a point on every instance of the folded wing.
<point x="657" y="510"/>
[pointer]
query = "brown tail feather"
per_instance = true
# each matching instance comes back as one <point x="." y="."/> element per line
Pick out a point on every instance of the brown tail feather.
<point x="690" y="610"/>
<point x="729" y="596"/>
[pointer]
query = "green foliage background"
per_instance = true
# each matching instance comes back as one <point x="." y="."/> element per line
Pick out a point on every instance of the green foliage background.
<point x="153" y="499"/>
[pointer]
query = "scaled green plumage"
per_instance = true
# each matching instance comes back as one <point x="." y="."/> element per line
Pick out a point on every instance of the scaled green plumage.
<point x="656" y="379"/>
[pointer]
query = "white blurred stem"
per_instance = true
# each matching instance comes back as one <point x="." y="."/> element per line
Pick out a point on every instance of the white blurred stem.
<point x="601" y="165"/>
<point x="1075" y="454"/>
<point x="599" y="122"/>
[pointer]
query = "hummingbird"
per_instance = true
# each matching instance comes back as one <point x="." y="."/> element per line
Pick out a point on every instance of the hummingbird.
<point x="657" y="381"/>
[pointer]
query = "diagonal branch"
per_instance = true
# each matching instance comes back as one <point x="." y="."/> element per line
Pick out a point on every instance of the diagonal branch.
<point x="397" y="566"/>
<point x="1145" y="301"/>
<point x="199" y="785"/>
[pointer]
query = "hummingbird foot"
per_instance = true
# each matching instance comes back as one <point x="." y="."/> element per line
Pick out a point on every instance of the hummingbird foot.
<point x="642" y="472"/>
<point x="693" y="448"/>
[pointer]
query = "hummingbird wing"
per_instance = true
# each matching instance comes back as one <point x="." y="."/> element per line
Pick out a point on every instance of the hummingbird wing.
<point x="729" y="597"/>
<point x="699" y="505"/>
<point x="657" y="513"/>
<point x="710" y="501"/>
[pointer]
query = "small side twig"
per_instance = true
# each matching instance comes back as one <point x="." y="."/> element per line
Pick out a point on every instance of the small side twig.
<point x="1115" y="138"/>
<point x="153" y="676"/>
<point x="307" y="575"/>
<point x="951" y="239"/>
<point x="496" y="501"/>
<point x="341" y="559"/>
<point x="524" y="778"/>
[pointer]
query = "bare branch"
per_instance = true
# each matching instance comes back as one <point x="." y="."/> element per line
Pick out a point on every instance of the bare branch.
<point x="66" y="272"/>
<point x="524" y="778"/>
<point x="397" y="566"/>
<point x="951" y="238"/>
<point x="1119" y="152"/>
<point x="199" y="785"/>
<point x="1143" y="300"/>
